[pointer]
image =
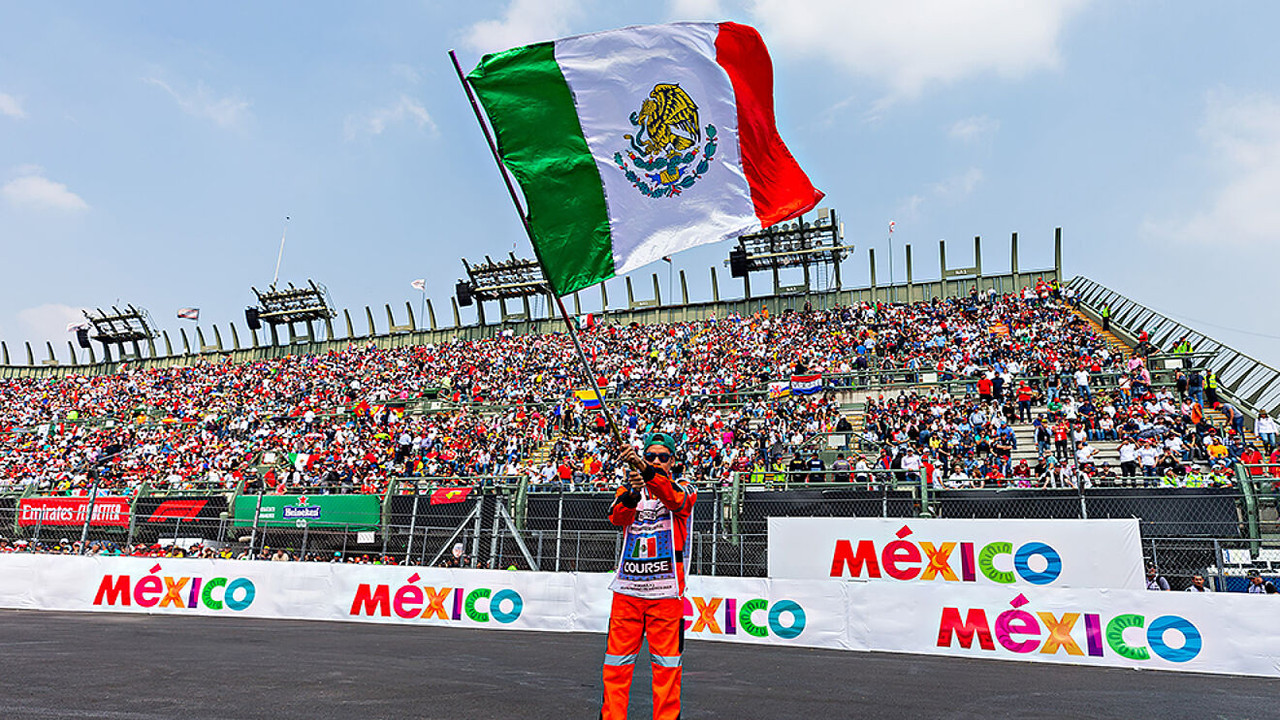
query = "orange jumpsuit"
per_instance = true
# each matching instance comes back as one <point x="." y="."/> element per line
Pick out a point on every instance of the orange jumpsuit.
<point x="647" y="593"/>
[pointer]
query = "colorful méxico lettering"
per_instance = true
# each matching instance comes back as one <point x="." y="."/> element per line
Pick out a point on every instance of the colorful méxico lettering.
<point x="784" y="618"/>
<point x="903" y="559"/>
<point x="410" y="601"/>
<point x="178" y="592"/>
<point x="1019" y="631"/>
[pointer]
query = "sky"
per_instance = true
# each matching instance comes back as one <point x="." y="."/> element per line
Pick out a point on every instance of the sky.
<point x="150" y="152"/>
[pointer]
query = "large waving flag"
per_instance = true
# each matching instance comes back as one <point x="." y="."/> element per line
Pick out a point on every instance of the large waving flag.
<point x="633" y="144"/>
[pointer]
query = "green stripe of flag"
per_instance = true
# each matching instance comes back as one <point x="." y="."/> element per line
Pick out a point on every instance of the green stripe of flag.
<point x="540" y="139"/>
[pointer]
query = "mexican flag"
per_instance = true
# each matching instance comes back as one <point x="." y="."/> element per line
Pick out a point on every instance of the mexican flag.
<point x="585" y="322"/>
<point x="634" y="144"/>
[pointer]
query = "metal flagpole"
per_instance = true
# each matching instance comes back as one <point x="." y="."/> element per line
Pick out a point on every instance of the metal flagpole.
<point x="587" y="371"/>
<point x="280" y="255"/>
<point x="893" y="291"/>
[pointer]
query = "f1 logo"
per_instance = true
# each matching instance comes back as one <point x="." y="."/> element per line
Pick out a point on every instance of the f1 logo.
<point x="185" y="510"/>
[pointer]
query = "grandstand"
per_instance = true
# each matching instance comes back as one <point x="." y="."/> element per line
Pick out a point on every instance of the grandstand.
<point x="975" y="394"/>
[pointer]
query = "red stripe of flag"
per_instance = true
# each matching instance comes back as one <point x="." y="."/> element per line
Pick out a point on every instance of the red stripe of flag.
<point x="779" y="188"/>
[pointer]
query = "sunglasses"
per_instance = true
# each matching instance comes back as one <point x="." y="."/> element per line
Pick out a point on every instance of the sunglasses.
<point x="660" y="457"/>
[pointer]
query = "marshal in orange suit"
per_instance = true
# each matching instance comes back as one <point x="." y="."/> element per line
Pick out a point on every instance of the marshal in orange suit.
<point x="654" y="508"/>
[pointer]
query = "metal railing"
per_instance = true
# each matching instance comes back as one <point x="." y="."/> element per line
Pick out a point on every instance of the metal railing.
<point x="1254" y="385"/>
<point x="497" y="522"/>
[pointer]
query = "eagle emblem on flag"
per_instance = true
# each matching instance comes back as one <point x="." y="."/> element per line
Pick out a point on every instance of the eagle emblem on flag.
<point x="665" y="156"/>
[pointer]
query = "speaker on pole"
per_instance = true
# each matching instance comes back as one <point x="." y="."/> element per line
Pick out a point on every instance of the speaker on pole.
<point x="738" y="262"/>
<point x="82" y="337"/>
<point x="251" y="318"/>
<point x="463" y="291"/>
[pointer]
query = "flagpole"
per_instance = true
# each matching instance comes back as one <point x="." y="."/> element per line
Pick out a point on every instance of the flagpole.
<point x="280" y="255"/>
<point x="893" y="291"/>
<point x="587" y="371"/>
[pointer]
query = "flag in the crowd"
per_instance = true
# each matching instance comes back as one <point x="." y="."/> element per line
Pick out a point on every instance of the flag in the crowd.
<point x="299" y="461"/>
<point x="806" y="384"/>
<point x="585" y="322"/>
<point x="637" y="143"/>
<point x="589" y="399"/>
<point x="892" y="224"/>
<point x="419" y="284"/>
<point x="1000" y="329"/>
<point x="188" y="313"/>
<point x="444" y="496"/>
<point x="779" y="390"/>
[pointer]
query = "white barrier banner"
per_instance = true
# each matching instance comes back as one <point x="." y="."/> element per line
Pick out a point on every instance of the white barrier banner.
<point x="1024" y="553"/>
<point x="1217" y="633"/>
<point x="304" y="591"/>
<point x="1213" y="633"/>
<point x="752" y="610"/>
<point x="746" y="610"/>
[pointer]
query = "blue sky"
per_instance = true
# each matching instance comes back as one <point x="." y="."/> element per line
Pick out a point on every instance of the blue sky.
<point x="149" y="152"/>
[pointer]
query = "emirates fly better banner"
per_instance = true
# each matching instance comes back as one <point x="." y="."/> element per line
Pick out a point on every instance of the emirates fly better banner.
<point x="107" y="511"/>
<point x="992" y="553"/>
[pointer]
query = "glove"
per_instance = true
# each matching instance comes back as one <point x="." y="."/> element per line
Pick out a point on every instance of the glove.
<point x="629" y="498"/>
<point x="649" y="473"/>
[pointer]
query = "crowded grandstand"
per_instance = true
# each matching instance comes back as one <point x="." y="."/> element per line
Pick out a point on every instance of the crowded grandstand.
<point x="984" y="391"/>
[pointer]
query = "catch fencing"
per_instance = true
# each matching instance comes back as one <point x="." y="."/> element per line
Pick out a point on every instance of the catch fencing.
<point x="1219" y="532"/>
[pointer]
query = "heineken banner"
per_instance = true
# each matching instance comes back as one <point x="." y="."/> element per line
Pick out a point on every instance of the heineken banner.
<point x="318" y="512"/>
<point x="954" y="552"/>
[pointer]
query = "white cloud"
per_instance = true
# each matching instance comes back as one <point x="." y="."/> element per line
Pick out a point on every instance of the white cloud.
<point x="831" y="115"/>
<point x="958" y="187"/>
<point x="973" y="128"/>
<point x="228" y="111"/>
<point x="1241" y="134"/>
<point x="374" y="122"/>
<point x="695" y="10"/>
<point x="49" y="322"/>
<point x="10" y="106"/>
<point x="523" y="22"/>
<point x="31" y="189"/>
<point x="950" y="191"/>
<point x="408" y="73"/>
<point x="910" y="44"/>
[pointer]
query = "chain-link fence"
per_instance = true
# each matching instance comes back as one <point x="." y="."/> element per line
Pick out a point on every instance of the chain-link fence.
<point x="1218" y="532"/>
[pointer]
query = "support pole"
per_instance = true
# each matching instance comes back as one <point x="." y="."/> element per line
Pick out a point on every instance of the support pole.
<point x="942" y="265"/>
<point x="871" y="257"/>
<point x="1057" y="252"/>
<point x="910" y="276"/>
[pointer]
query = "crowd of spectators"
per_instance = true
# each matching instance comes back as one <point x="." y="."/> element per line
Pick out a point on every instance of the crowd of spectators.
<point x="353" y="420"/>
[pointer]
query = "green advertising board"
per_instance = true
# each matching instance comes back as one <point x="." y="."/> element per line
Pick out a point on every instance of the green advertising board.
<point x="317" y="512"/>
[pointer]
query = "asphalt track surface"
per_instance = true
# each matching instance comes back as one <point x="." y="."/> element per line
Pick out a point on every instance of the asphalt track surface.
<point x="137" y="667"/>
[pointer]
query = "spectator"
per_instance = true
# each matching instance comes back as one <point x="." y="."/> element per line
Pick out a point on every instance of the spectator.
<point x="1265" y="429"/>
<point x="1198" y="585"/>
<point x="1155" y="581"/>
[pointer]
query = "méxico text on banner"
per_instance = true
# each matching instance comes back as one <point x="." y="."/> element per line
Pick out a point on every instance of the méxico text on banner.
<point x="107" y="511"/>
<point x="1030" y="553"/>
<point x="1190" y="632"/>
<point x="1219" y="632"/>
